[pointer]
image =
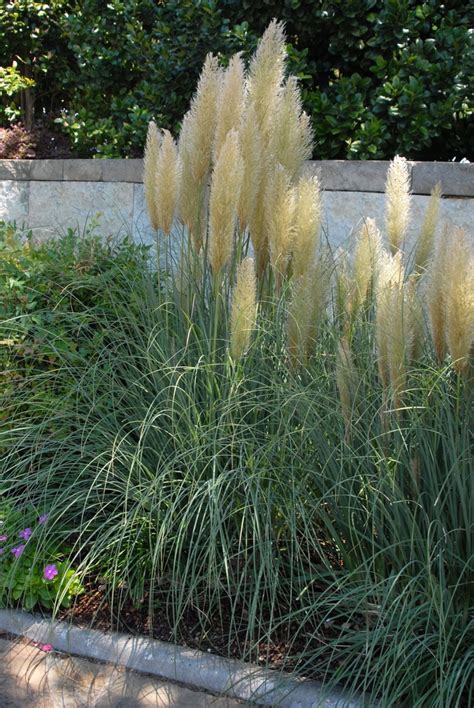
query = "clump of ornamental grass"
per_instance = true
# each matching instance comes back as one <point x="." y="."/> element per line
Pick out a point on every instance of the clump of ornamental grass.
<point x="272" y="448"/>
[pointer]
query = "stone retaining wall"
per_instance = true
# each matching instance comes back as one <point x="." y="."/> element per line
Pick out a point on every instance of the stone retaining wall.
<point x="49" y="196"/>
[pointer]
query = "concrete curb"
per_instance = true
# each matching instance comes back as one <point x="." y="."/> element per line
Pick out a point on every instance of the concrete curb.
<point x="215" y="674"/>
<point x="457" y="179"/>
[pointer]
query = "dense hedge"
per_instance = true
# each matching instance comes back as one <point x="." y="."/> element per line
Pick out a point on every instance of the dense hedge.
<point x="378" y="77"/>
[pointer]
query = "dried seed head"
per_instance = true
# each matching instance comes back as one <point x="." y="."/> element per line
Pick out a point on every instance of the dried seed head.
<point x="230" y="102"/>
<point x="459" y="299"/>
<point x="395" y="326"/>
<point x="291" y="139"/>
<point x="307" y="310"/>
<point x="367" y="251"/>
<point x="436" y="295"/>
<point x="307" y="224"/>
<point x="251" y="148"/>
<point x="167" y="182"/>
<point x="152" y="147"/>
<point x="424" y="246"/>
<point x="243" y="312"/>
<point x="279" y="206"/>
<point x="266" y="75"/>
<point x="397" y="202"/>
<point x="224" y="197"/>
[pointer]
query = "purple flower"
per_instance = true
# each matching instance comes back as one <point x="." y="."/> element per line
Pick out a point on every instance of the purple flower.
<point x="43" y="519"/>
<point x="18" y="550"/>
<point x="3" y="537"/>
<point x="50" y="571"/>
<point x="25" y="534"/>
<point x="1" y="551"/>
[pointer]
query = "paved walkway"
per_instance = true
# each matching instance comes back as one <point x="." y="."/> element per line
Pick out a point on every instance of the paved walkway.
<point x="31" y="678"/>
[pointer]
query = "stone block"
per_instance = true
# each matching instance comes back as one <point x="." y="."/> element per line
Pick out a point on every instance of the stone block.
<point x="56" y="206"/>
<point x="47" y="170"/>
<point x="14" y="196"/>
<point x="457" y="178"/>
<point x="15" y="169"/>
<point x="351" y="176"/>
<point x="83" y="170"/>
<point x="122" y="170"/>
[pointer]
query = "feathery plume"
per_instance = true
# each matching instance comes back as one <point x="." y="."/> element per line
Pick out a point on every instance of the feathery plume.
<point x="279" y="206"/>
<point x="291" y="139"/>
<point x="167" y="182"/>
<point x="230" y="102"/>
<point x="436" y="295"/>
<point x="388" y="332"/>
<point x="251" y="149"/>
<point x="307" y="224"/>
<point x="397" y="202"/>
<point x="266" y="75"/>
<point x="367" y="250"/>
<point x="152" y="147"/>
<point x="459" y="299"/>
<point x="425" y="241"/>
<point x="243" y="312"/>
<point x="307" y="310"/>
<point x="195" y="148"/>
<point x="224" y="198"/>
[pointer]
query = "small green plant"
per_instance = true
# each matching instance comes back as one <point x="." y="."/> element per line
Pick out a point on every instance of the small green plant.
<point x="33" y="570"/>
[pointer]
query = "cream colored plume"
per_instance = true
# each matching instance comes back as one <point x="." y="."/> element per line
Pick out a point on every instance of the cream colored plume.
<point x="167" y="182"/>
<point x="251" y="149"/>
<point x="459" y="298"/>
<point x="307" y="224"/>
<point x="150" y="161"/>
<point x="266" y="75"/>
<point x="230" y="102"/>
<point x="436" y="295"/>
<point x="279" y="206"/>
<point x="195" y="147"/>
<point x="425" y="241"/>
<point x="392" y="330"/>
<point x="224" y="197"/>
<point x="243" y="312"/>
<point x="307" y="310"/>
<point x="397" y="202"/>
<point x="366" y="256"/>
<point x="291" y="138"/>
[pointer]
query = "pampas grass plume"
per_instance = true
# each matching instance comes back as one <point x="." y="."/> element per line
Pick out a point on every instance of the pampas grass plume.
<point x="366" y="255"/>
<point x="397" y="202"/>
<point x="266" y="75"/>
<point x="224" y="197"/>
<point x="436" y="295"/>
<point x="167" y="182"/>
<point x="230" y="102"/>
<point x="251" y="149"/>
<point x="291" y="140"/>
<point x="279" y="206"/>
<point x="307" y="224"/>
<point x="150" y="161"/>
<point x="459" y="299"/>
<point x="307" y="310"/>
<point x="425" y="241"/>
<point x="243" y="312"/>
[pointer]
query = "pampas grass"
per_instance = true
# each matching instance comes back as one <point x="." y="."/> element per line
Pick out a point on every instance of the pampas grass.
<point x="167" y="183"/>
<point x="223" y="201"/>
<point x="243" y="311"/>
<point x="152" y="148"/>
<point x="397" y="202"/>
<point x="426" y="237"/>
<point x="307" y="224"/>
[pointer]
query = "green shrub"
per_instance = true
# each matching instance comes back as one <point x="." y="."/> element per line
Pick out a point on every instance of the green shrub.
<point x="378" y="78"/>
